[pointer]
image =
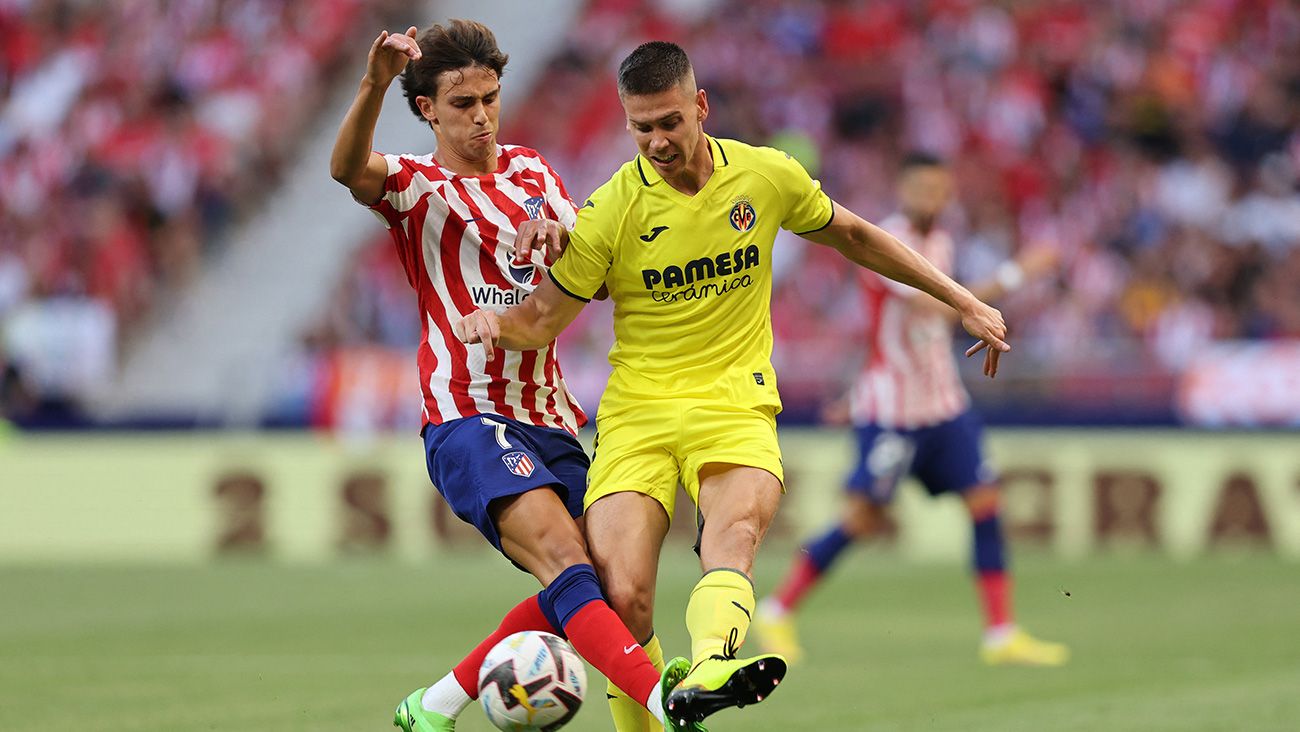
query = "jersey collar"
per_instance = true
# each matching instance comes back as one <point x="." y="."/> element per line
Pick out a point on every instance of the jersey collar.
<point x="650" y="175"/>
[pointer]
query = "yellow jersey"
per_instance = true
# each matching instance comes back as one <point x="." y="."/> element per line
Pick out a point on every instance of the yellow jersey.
<point x="691" y="276"/>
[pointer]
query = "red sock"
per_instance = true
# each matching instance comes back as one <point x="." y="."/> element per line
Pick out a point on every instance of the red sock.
<point x="995" y="592"/>
<point x="803" y="575"/>
<point x="599" y="636"/>
<point x="527" y="615"/>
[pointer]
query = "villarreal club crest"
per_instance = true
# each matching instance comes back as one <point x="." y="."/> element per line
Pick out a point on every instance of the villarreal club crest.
<point x="742" y="215"/>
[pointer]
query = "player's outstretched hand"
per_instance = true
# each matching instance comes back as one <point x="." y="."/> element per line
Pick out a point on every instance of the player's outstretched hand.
<point x="389" y="55"/>
<point x="549" y="236"/>
<point x="480" y="326"/>
<point x="985" y="323"/>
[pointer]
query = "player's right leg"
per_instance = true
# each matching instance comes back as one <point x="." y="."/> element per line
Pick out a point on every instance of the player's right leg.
<point x="625" y="532"/>
<point x="629" y="503"/>
<point x="883" y="458"/>
<point x="522" y="488"/>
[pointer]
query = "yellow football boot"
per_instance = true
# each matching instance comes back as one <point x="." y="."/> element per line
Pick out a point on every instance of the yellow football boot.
<point x="1019" y="648"/>
<point x="776" y="633"/>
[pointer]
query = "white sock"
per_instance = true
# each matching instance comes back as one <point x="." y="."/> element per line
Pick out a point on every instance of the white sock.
<point x="656" y="705"/>
<point x="998" y="634"/>
<point x="445" y="697"/>
<point x="772" y="608"/>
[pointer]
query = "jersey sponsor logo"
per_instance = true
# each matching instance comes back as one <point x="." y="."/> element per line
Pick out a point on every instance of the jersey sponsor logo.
<point x="489" y="296"/>
<point x="742" y="215"/>
<point x="654" y="234"/>
<point x="688" y="282"/>
<point x="518" y="463"/>
<point x="522" y="277"/>
<point x="704" y="268"/>
<point x="525" y="275"/>
<point x="534" y="207"/>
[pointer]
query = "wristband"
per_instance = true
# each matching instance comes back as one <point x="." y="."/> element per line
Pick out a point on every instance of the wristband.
<point x="1010" y="276"/>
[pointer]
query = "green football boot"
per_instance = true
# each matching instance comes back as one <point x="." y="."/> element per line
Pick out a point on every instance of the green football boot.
<point x="720" y="682"/>
<point x="412" y="717"/>
<point x="674" y="671"/>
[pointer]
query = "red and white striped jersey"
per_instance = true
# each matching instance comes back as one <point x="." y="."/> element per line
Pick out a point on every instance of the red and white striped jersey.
<point x="455" y="235"/>
<point x="909" y="378"/>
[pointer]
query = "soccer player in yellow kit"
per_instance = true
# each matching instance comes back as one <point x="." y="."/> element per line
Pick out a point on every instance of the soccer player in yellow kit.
<point x="682" y="238"/>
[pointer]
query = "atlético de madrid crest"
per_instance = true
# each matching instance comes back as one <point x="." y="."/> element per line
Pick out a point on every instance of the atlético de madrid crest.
<point x="742" y="215"/>
<point x="518" y="463"/>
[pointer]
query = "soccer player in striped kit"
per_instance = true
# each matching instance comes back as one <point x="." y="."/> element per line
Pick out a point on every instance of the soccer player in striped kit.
<point x="499" y="432"/>
<point x="912" y="416"/>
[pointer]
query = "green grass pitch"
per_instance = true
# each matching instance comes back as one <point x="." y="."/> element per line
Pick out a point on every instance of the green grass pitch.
<point x="1212" y="644"/>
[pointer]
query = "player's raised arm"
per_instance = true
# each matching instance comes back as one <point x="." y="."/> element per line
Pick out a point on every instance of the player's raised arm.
<point x="876" y="249"/>
<point x="530" y="325"/>
<point x="353" y="162"/>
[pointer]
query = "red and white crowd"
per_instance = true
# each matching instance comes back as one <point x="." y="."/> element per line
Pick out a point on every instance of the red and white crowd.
<point x="1155" y="144"/>
<point x="131" y="133"/>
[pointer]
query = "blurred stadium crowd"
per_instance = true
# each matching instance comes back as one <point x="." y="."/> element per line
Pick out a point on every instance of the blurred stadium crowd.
<point x="131" y="134"/>
<point x="1154" y="144"/>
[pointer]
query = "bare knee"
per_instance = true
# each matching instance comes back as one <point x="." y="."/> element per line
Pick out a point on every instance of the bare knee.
<point x="731" y="542"/>
<point x="564" y="547"/>
<point x="634" y="602"/>
<point x="544" y="547"/>
<point x="862" y="518"/>
<point x="982" y="500"/>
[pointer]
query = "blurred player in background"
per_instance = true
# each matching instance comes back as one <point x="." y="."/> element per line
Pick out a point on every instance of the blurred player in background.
<point x="499" y="432"/>
<point x="682" y="238"/>
<point x="912" y="416"/>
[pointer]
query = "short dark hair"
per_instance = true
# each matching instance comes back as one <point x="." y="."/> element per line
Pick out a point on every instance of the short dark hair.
<point x="920" y="159"/>
<point x="459" y="44"/>
<point x="654" y="66"/>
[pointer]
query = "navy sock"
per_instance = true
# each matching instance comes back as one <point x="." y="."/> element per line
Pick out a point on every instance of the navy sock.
<point x="823" y="550"/>
<point x="570" y="592"/>
<point x="989" y="554"/>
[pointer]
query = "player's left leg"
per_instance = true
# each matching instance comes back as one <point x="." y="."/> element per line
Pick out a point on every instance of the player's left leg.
<point x="436" y="708"/>
<point x="527" y="508"/>
<point x="774" y="620"/>
<point x="737" y="504"/>
<point x="884" y="457"/>
<point x="625" y="531"/>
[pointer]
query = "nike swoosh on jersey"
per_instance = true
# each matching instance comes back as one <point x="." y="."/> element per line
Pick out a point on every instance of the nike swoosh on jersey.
<point x="630" y="648"/>
<point x="654" y="234"/>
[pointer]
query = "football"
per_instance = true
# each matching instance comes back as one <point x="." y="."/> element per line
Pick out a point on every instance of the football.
<point x="531" y="682"/>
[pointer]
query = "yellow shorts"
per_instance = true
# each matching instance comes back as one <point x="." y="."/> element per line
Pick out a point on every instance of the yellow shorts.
<point x="651" y="445"/>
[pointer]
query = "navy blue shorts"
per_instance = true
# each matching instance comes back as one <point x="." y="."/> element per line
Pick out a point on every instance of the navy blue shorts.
<point x="946" y="458"/>
<point x="476" y="460"/>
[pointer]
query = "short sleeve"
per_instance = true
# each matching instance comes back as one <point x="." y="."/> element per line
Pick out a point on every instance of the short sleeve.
<point x="807" y="207"/>
<point x="392" y="207"/>
<point x="586" y="261"/>
<point x="557" y="197"/>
